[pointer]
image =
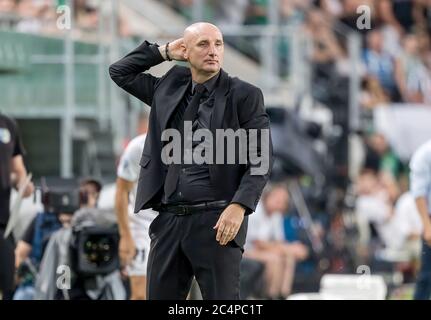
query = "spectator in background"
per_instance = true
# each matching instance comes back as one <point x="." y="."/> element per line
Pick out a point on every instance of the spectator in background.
<point x="408" y="220"/>
<point x="7" y="6"/>
<point x="333" y="8"/>
<point x="398" y="13"/>
<point x="422" y="15"/>
<point x="380" y="157"/>
<point x="257" y="12"/>
<point x="395" y="219"/>
<point x="28" y="12"/>
<point x="412" y="76"/>
<point x="373" y="205"/>
<point x="266" y="243"/>
<point x="424" y="44"/>
<point x="380" y="64"/>
<point x="229" y="12"/>
<point x="87" y="17"/>
<point x="372" y="94"/>
<point x="326" y="49"/>
<point x="293" y="12"/>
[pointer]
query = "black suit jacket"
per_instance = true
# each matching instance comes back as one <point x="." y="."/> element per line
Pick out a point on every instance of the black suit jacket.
<point x="237" y="104"/>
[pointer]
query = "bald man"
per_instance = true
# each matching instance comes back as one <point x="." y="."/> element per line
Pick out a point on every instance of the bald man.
<point x="202" y="196"/>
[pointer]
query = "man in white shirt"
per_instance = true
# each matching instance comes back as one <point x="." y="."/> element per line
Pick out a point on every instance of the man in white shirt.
<point x="266" y="242"/>
<point x="134" y="238"/>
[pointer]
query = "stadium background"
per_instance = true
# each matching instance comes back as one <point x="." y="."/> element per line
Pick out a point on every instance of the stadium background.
<point x="349" y="109"/>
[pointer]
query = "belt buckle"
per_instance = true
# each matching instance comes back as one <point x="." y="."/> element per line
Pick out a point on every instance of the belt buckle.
<point x="183" y="211"/>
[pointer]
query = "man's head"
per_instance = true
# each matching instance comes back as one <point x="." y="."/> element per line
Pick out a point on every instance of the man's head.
<point x="375" y="40"/>
<point x="203" y="48"/>
<point x="89" y="191"/>
<point x="275" y="199"/>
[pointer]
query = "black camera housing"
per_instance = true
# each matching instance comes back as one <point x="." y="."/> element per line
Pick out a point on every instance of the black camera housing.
<point x="96" y="250"/>
<point x="60" y="195"/>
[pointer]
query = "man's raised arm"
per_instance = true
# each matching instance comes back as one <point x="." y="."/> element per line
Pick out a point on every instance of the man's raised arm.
<point x="128" y="73"/>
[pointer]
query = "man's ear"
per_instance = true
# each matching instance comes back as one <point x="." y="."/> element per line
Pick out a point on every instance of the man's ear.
<point x="184" y="49"/>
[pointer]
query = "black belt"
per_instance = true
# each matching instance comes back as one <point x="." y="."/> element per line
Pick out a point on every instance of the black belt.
<point x="186" y="209"/>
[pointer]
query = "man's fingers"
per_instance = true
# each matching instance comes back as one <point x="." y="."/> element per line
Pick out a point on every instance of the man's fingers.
<point x="217" y="224"/>
<point x="224" y="237"/>
<point x="228" y="235"/>
<point x="220" y="230"/>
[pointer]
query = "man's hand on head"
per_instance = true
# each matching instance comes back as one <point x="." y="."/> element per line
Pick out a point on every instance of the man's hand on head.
<point x="175" y="50"/>
<point x="229" y="223"/>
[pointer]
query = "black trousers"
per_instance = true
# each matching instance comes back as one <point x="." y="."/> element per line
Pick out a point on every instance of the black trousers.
<point x="7" y="265"/>
<point x="186" y="246"/>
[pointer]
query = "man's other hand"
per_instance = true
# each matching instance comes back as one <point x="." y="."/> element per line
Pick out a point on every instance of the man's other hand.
<point x="127" y="250"/>
<point x="229" y="223"/>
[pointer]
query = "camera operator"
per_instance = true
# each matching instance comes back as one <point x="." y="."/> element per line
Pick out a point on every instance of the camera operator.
<point x="89" y="194"/>
<point x="30" y="249"/>
<point x="87" y="248"/>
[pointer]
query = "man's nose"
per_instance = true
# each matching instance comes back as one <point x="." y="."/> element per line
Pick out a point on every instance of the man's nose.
<point x="212" y="50"/>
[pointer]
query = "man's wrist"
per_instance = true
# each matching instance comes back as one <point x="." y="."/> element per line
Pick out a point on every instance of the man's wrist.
<point x="125" y="233"/>
<point x="168" y="57"/>
<point x="162" y="50"/>
<point x="239" y="205"/>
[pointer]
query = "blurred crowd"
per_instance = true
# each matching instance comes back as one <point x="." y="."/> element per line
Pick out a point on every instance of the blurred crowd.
<point x="396" y="54"/>
<point x="40" y="16"/>
<point x="395" y="67"/>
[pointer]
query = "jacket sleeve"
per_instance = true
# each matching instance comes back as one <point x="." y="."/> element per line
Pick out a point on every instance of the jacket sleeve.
<point x="128" y="72"/>
<point x="253" y="116"/>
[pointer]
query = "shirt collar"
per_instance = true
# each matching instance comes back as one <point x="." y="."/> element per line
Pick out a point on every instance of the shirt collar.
<point x="209" y="84"/>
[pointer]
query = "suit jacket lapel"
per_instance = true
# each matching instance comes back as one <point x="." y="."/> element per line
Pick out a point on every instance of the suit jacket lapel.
<point x="218" y="113"/>
<point x="172" y="101"/>
<point x="219" y="102"/>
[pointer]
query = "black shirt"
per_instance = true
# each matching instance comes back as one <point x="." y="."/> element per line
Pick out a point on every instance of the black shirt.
<point x="194" y="184"/>
<point x="10" y="146"/>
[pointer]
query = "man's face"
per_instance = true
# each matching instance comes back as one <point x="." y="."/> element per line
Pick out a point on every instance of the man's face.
<point x="277" y="200"/>
<point x="92" y="195"/>
<point x="375" y="40"/>
<point x="204" y="50"/>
